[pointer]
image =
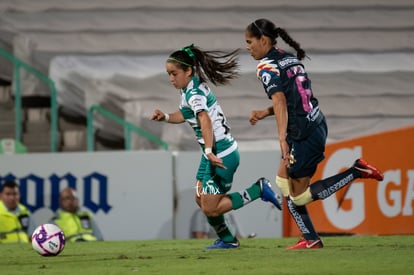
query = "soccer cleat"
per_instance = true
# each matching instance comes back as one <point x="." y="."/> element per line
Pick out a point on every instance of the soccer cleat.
<point x="267" y="193"/>
<point x="306" y="244"/>
<point x="368" y="171"/>
<point x="219" y="244"/>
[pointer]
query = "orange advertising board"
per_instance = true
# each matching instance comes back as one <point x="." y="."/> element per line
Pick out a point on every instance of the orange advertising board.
<point x="369" y="207"/>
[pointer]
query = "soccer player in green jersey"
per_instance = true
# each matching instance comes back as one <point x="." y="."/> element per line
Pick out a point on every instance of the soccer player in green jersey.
<point x="188" y="70"/>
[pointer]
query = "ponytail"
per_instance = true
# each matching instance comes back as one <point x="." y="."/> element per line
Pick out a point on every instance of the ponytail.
<point x="300" y="53"/>
<point x="217" y="66"/>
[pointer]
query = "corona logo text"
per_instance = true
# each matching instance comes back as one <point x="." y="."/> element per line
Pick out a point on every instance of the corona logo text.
<point x="35" y="190"/>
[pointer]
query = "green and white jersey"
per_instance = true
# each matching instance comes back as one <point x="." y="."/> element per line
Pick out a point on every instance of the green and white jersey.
<point x="197" y="97"/>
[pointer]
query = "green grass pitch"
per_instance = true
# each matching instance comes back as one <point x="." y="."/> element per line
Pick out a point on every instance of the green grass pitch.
<point x="373" y="255"/>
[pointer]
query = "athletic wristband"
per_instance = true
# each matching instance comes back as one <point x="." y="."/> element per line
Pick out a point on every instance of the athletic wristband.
<point x="207" y="151"/>
<point x="166" y="117"/>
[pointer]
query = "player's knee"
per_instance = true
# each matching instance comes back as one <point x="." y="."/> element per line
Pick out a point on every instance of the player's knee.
<point x="302" y="199"/>
<point x="283" y="184"/>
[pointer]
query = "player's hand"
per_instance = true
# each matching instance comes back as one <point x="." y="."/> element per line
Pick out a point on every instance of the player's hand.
<point x="287" y="158"/>
<point x="157" y="115"/>
<point x="215" y="160"/>
<point x="255" y="116"/>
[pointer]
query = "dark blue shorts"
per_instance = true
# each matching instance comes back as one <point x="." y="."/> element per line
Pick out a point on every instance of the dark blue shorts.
<point x="308" y="152"/>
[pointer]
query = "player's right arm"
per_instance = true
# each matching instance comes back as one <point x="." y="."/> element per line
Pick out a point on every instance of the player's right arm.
<point x="257" y="115"/>
<point x="174" y="118"/>
<point x="207" y="131"/>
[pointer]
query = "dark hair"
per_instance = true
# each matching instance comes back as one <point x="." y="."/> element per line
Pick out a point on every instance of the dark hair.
<point x="9" y="184"/>
<point x="268" y="28"/>
<point x="217" y="66"/>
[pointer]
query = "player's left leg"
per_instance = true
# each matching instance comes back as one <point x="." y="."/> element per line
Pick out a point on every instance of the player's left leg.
<point x="307" y="154"/>
<point x="323" y="189"/>
<point x="214" y="202"/>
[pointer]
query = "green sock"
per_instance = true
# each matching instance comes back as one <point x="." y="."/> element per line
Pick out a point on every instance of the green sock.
<point x="239" y="199"/>
<point x="221" y="228"/>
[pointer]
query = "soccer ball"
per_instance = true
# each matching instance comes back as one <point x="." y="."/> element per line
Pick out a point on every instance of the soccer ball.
<point x="48" y="240"/>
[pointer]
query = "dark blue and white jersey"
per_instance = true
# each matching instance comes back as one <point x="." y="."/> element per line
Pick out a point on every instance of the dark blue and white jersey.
<point x="197" y="97"/>
<point x="280" y="71"/>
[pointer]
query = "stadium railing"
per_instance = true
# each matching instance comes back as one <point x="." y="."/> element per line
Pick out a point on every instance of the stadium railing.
<point x="17" y="65"/>
<point x="128" y="128"/>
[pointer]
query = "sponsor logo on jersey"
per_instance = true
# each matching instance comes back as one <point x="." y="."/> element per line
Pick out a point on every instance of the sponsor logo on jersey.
<point x="287" y="62"/>
<point x="271" y="87"/>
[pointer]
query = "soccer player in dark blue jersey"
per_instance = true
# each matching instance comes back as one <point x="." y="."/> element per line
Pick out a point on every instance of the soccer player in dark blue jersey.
<point x="301" y="126"/>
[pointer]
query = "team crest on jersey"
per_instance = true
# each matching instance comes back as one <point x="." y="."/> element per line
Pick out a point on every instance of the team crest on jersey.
<point x="266" y="65"/>
<point x="266" y="78"/>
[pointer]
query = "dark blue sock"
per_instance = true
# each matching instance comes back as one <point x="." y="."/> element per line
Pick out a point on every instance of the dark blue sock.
<point x="324" y="188"/>
<point x="302" y="219"/>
